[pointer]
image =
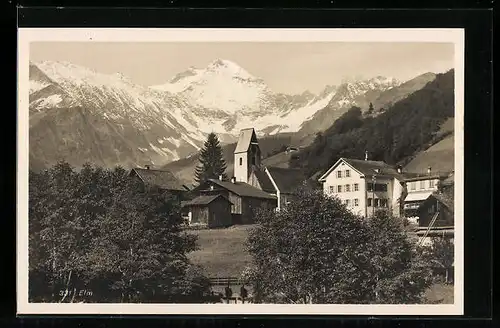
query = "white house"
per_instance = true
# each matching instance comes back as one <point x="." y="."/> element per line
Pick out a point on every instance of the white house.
<point x="364" y="185"/>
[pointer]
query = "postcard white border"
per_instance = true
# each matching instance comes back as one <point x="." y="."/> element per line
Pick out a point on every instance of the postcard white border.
<point x="27" y="35"/>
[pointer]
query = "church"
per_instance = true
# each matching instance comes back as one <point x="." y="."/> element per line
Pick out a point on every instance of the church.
<point x="251" y="187"/>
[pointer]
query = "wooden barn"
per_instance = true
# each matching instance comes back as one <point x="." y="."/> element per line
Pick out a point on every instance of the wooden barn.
<point x="436" y="215"/>
<point x="244" y="198"/>
<point x="210" y="210"/>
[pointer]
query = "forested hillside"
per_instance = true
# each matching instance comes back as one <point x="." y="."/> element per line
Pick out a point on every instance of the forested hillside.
<point x="409" y="126"/>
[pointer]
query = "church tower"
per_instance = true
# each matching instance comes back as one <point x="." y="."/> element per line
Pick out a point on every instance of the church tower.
<point x="246" y="155"/>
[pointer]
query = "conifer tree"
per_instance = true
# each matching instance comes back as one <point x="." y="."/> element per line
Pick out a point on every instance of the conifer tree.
<point x="212" y="163"/>
<point x="370" y="109"/>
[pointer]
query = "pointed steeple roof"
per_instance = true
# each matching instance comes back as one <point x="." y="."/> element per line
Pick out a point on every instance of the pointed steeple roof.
<point x="247" y="136"/>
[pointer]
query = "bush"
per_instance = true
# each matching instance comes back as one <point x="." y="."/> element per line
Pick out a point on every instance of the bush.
<point x="316" y="251"/>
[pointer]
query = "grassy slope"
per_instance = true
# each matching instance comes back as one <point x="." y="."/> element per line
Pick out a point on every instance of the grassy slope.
<point x="440" y="156"/>
<point x="223" y="254"/>
<point x="222" y="251"/>
<point x="440" y="294"/>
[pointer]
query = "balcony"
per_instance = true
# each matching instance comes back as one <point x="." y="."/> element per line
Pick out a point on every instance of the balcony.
<point x="411" y="206"/>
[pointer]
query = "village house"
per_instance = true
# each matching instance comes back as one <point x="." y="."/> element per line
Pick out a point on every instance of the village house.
<point x="162" y="179"/>
<point x="245" y="199"/>
<point x="364" y="186"/>
<point x="419" y="187"/>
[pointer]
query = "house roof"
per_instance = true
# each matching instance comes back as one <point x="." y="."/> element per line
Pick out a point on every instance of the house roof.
<point x="162" y="179"/>
<point x="366" y="168"/>
<point x="264" y="181"/>
<point x="417" y="196"/>
<point x="242" y="189"/>
<point x="203" y="200"/>
<point x="247" y="136"/>
<point x="287" y="180"/>
<point x="408" y="176"/>
<point x="445" y="198"/>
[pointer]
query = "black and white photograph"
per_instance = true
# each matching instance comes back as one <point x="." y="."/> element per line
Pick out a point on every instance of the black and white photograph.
<point x="240" y="171"/>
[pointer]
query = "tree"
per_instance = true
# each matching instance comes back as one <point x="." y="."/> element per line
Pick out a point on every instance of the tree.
<point x="212" y="163"/>
<point x="370" y="109"/>
<point x="100" y="230"/>
<point x="441" y="254"/>
<point x="316" y="251"/>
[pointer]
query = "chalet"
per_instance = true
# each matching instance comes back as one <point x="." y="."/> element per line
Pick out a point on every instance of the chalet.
<point x="164" y="180"/>
<point x="209" y="210"/>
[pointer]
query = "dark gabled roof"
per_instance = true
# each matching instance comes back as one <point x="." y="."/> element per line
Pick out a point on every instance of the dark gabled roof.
<point x="368" y="168"/>
<point x="264" y="181"/>
<point x="287" y="180"/>
<point x="242" y="189"/>
<point x="162" y="179"/>
<point x="446" y="198"/>
<point x="203" y="200"/>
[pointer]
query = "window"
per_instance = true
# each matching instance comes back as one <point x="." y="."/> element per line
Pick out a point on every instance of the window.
<point x="241" y="161"/>
<point x="369" y="202"/>
<point x="339" y="174"/>
<point x="356" y="187"/>
<point x="376" y="202"/>
<point x="332" y="189"/>
<point x="339" y="188"/>
<point x="431" y="183"/>
<point x="383" y="202"/>
<point x="347" y="173"/>
<point x="369" y="186"/>
<point x="413" y="185"/>
<point x="422" y="184"/>
<point x="347" y="188"/>
<point x="356" y="202"/>
<point x="348" y="202"/>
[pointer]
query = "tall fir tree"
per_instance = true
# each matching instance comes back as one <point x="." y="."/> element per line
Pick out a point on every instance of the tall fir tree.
<point x="212" y="163"/>
<point x="370" y="109"/>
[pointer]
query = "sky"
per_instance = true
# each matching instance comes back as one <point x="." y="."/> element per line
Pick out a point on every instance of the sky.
<point x="289" y="67"/>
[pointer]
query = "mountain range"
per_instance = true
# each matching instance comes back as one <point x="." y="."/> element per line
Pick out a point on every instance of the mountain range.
<point x="81" y="115"/>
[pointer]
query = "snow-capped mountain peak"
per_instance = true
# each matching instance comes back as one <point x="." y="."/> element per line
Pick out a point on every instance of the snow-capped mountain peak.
<point x="169" y="121"/>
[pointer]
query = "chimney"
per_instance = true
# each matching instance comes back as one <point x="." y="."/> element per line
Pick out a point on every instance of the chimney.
<point x="220" y="177"/>
<point x="429" y="170"/>
<point x="147" y="167"/>
<point x="400" y="170"/>
<point x="233" y="180"/>
<point x="366" y="155"/>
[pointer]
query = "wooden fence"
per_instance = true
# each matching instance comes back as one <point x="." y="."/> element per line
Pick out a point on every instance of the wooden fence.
<point x="224" y="281"/>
